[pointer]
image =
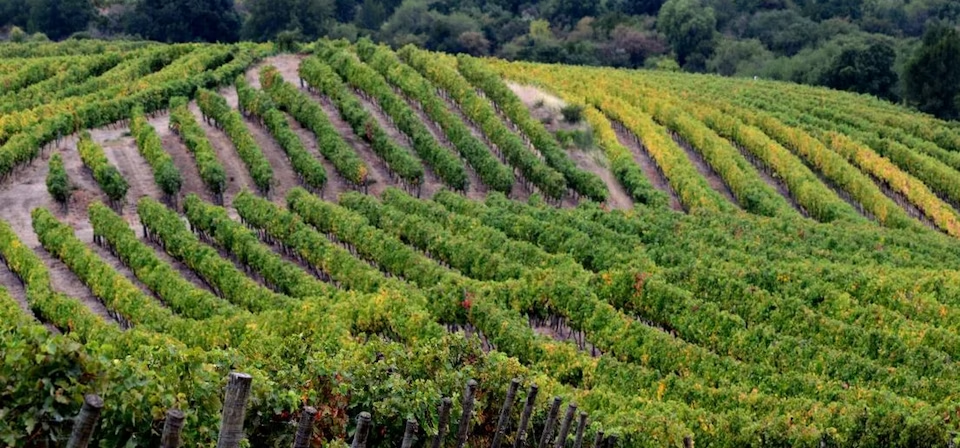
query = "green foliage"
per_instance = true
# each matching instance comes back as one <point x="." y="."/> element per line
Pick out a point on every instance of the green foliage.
<point x="106" y="175"/>
<point x="17" y="35"/>
<point x="215" y="107"/>
<point x="867" y="70"/>
<point x="59" y="18"/>
<point x="165" y="173"/>
<point x="932" y="80"/>
<point x="572" y="113"/>
<point x="58" y="184"/>
<point x="690" y="27"/>
<point x="185" y="20"/>
<point x="185" y="125"/>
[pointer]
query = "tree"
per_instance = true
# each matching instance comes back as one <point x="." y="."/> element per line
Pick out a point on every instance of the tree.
<point x="186" y="20"/>
<point x="59" y="18"/>
<point x="866" y="69"/>
<point x="932" y="77"/>
<point x="690" y="29"/>
<point x="313" y="18"/>
<point x="738" y="57"/>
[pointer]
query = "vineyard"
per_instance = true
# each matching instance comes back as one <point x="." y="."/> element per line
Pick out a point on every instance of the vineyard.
<point x="457" y="251"/>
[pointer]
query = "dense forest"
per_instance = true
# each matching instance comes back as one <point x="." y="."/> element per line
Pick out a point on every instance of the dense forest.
<point x="900" y="50"/>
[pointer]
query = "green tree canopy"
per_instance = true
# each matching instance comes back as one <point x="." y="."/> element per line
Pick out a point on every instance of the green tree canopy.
<point x="932" y="77"/>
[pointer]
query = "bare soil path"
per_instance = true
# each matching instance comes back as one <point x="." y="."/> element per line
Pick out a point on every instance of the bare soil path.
<point x="476" y="190"/>
<point x="647" y="165"/>
<point x="431" y="182"/>
<point x="238" y="177"/>
<point x="716" y="182"/>
<point x="182" y="158"/>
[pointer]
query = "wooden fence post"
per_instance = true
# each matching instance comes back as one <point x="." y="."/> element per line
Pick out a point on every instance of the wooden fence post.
<point x="172" y="427"/>
<point x="598" y="440"/>
<point x="612" y="441"/>
<point x="85" y="422"/>
<point x="444" y="421"/>
<point x="409" y="434"/>
<point x="305" y="428"/>
<point x="548" y="427"/>
<point x="525" y="417"/>
<point x="234" y="409"/>
<point x="505" y="412"/>
<point x="581" y="426"/>
<point x="565" y="427"/>
<point x="363" y="431"/>
<point x="688" y="442"/>
<point x="463" y="431"/>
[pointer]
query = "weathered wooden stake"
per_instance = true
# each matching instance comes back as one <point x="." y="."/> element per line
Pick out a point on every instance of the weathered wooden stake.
<point x="581" y="426"/>
<point x="85" y="422"/>
<point x="548" y="428"/>
<point x="305" y="428"/>
<point x="234" y="409"/>
<point x="612" y="441"/>
<point x="525" y="417"/>
<point x="505" y="412"/>
<point x="565" y="426"/>
<point x="688" y="442"/>
<point x="444" y="421"/>
<point x="363" y="431"/>
<point x="409" y="434"/>
<point x="463" y="431"/>
<point x="598" y="440"/>
<point x="172" y="427"/>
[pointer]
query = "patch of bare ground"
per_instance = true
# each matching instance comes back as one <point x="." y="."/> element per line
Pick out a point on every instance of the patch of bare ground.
<point x="182" y="158"/>
<point x="716" y="182"/>
<point x="594" y="162"/>
<point x="476" y="190"/>
<point x="545" y="108"/>
<point x="121" y="150"/>
<point x="649" y="167"/>
<point x="26" y="190"/>
<point x="238" y="178"/>
<point x="431" y="183"/>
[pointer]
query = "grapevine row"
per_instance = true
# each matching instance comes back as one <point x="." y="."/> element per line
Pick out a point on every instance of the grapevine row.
<point x="584" y="183"/>
<point x="447" y="166"/>
<point x="107" y="176"/>
<point x="215" y="107"/>
<point x="478" y="110"/>
<point x="308" y="113"/>
<point x="165" y="173"/>
<point x="321" y="77"/>
<point x="183" y="123"/>
<point x="492" y="173"/>
<point x="258" y="104"/>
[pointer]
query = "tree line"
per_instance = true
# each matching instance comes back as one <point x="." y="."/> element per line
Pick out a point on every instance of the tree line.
<point x="899" y="50"/>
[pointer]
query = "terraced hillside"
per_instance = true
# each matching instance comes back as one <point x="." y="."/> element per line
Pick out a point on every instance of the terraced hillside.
<point x="695" y="260"/>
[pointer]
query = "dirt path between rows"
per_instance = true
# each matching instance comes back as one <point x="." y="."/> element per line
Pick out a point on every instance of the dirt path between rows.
<point x="649" y="167"/>
<point x="716" y="182"/>
<point x="431" y="182"/>
<point x="182" y="158"/>
<point x="27" y="190"/>
<point x="284" y="177"/>
<point x="238" y="177"/>
<point x="476" y="190"/>
<point x="588" y="161"/>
